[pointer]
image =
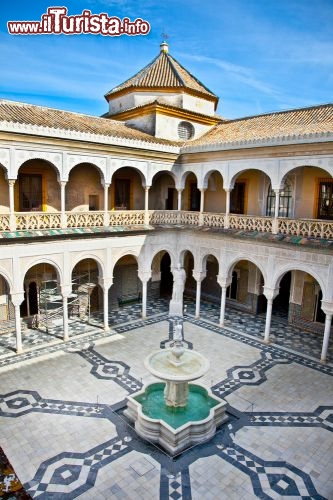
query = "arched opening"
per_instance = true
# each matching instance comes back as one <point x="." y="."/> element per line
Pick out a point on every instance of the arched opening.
<point x="192" y="195"/>
<point x="127" y="192"/>
<point x="210" y="289"/>
<point x="246" y="289"/>
<point x="190" y="283"/>
<point x="7" y="312"/>
<point x="247" y="195"/>
<point x="4" y="190"/>
<point x="84" y="190"/>
<point x="312" y="192"/>
<point x="42" y="306"/>
<point x="127" y="287"/>
<point x="37" y="188"/>
<point x="33" y="297"/>
<point x="215" y="198"/>
<point x="281" y="301"/>
<point x="88" y="297"/>
<point x="299" y="301"/>
<point x="166" y="283"/>
<point x="163" y="194"/>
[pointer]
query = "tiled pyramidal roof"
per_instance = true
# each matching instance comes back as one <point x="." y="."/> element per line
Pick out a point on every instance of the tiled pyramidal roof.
<point x="296" y="122"/>
<point x="163" y="71"/>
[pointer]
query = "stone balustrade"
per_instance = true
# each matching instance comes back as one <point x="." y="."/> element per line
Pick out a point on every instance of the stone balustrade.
<point x="22" y="221"/>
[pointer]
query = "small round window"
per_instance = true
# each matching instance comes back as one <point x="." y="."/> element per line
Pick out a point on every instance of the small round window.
<point x="185" y="131"/>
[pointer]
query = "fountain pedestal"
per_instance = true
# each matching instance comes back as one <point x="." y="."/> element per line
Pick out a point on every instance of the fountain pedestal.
<point x="176" y="394"/>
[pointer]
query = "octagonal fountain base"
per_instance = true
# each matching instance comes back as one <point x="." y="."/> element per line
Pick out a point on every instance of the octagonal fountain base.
<point x="175" y="429"/>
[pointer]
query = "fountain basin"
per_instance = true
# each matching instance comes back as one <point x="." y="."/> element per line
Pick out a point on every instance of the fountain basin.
<point x="175" y="429"/>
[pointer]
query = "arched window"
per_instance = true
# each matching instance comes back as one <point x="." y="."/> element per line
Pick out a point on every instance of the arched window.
<point x="284" y="201"/>
<point x="185" y="130"/>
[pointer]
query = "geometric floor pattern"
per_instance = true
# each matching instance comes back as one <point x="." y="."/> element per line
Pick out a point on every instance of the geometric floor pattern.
<point x="65" y="445"/>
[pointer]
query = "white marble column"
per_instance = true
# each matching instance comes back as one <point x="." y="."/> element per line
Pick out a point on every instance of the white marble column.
<point x="63" y="204"/>
<point x="224" y="283"/>
<point x="106" y="205"/>
<point x="270" y="294"/>
<point x="227" y="208"/>
<point x="105" y="284"/>
<point x="198" y="276"/>
<point x="144" y="277"/>
<point x="12" y="220"/>
<point x="147" y="204"/>
<point x="327" y="307"/>
<point x="144" y="299"/>
<point x="65" y="292"/>
<point x="327" y="332"/>
<point x="17" y="299"/>
<point x="65" y="317"/>
<point x="276" y="211"/>
<point x="202" y="200"/>
<point x="223" y="302"/>
<point x="227" y="201"/>
<point x="268" y="320"/>
<point x="179" y="198"/>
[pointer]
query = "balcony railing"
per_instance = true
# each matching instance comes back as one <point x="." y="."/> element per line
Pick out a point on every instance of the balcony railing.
<point x="25" y="221"/>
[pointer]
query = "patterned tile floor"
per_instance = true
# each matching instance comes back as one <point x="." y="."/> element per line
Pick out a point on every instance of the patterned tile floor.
<point x="64" y="432"/>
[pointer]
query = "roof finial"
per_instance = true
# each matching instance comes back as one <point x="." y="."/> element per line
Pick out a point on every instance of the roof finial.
<point x="164" y="46"/>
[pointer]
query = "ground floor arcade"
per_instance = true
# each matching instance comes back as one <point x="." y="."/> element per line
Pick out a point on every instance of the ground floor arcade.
<point x="47" y="307"/>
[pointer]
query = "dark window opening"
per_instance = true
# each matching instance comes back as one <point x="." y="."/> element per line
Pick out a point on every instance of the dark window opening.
<point x="195" y="197"/>
<point x="325" y="199"/>
<point x="30" y="192"/>
<point x="122" y="194"/>
<point x="237" y="198"/>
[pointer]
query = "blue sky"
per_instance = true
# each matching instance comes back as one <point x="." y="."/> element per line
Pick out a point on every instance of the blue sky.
<point x="256" y="55"/>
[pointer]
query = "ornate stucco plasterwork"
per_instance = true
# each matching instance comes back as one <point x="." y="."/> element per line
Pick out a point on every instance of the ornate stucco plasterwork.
<point x="4" y="157"/>
<point x="23" y="155"/>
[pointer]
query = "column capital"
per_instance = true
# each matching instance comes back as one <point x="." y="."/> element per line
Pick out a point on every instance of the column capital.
<point x="105" y="283"/>
<point x="270" y="293"/>
<point x="66" y="290"/>
<point x="223" y="281"/>
<point x="11" y="182"/>
<point x="144" y="276"/>
<point x="327" y="307"/>
<point x="199" y="276"/>
<point x="17" y="298"/>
